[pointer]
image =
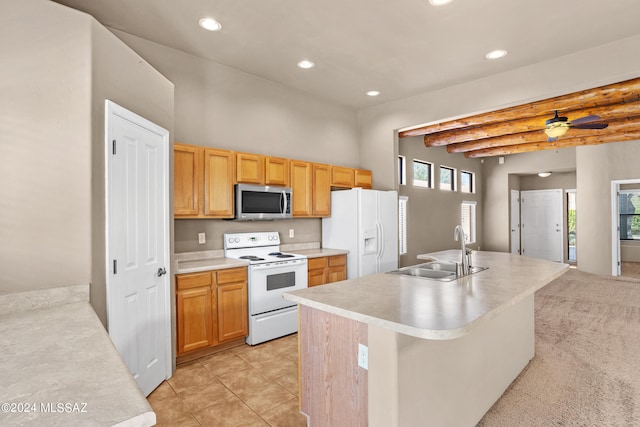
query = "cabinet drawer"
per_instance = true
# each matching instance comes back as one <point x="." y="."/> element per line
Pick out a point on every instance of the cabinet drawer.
<point x="232" y="275"/>
<point x="337" y="260"/>
<point x="313" y="263"/>
<point x="195" y="280"/>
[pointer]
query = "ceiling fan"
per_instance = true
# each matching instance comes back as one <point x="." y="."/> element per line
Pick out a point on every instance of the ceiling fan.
<point x="558" y="125"/>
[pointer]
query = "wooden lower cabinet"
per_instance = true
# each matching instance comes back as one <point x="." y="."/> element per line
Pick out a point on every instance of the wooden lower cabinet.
<point x="211" y="308"/>
<point x="324" y="270"/>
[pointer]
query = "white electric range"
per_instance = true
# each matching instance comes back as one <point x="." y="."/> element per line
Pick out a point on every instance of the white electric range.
<point x="271" y="273"/>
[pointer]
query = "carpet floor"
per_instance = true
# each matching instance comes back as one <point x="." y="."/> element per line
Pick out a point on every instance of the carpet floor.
<point x="586" y="371"/>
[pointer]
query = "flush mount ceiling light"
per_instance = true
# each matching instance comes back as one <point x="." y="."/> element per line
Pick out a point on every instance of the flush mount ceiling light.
<point x="496" y="54"/>
<point x="544" y="174"/>
<point x="306" y="64"/>
<point x="210" y="24"/>
<point x="439" y="2"/>
<point x="373" y="93"/>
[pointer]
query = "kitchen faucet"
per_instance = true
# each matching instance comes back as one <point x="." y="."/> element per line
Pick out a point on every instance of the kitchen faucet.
<point x="458" y="233"/>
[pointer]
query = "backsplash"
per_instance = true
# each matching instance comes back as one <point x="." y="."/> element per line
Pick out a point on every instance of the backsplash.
<point x="186" y="231"/>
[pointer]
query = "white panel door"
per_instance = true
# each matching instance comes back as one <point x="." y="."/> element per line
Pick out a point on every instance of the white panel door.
<point x="542" y="224"/>
<point x="515" y="222"/>
<point x="137" y="238"/>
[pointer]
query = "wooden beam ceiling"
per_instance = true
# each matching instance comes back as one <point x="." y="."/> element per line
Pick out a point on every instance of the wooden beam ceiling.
<point x="521" y="128"/>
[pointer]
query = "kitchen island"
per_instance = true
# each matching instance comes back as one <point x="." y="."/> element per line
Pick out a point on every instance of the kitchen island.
<point x="439" y="353"/>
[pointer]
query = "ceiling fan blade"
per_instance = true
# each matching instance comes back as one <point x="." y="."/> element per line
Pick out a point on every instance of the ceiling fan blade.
<point x="590" y="126"/>
<point x="585" y="119"/>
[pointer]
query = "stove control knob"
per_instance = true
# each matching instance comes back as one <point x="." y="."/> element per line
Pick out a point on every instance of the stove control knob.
<point x="230" y="239"/>
<point x="237" y="240"/>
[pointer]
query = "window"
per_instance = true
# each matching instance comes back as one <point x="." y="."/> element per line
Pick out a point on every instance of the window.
<point x="629" y="202"/>
<point x="422" y="174"/>
<point x="402" y="170"/>
<point x="468" y="221"/>
<point x="466" y="182"/>
<point x="447" y="178"/>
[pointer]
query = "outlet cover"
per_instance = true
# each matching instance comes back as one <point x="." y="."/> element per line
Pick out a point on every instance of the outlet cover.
<point x="291" y="233"/>
<point x="202" y="238"/>
<point x="363" y="356"/>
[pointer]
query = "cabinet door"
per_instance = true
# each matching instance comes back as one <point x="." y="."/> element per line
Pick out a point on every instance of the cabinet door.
<point x="337" y="273"/>
<point x="194" y="319"/>
<point x="187" y="180"/>
<point x="300" y="188"/>
<point x="318" y="271"/>
<point x="342" y="177"/>
<point x="250" y="168"/>
<point x="364" y="178"/>
<point x="218" y="183"/>
<point x="233" y="312"/>
<point x="276" y="171"/>
<point x="321" y="190"/>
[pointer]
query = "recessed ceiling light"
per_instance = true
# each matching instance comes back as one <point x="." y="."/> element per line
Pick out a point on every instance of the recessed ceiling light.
<point x="495" y="54"/>
<point x="306" y="64"/>
<point x="210" y="24"/>
<point x="439" y="2"/>
<point x="373" y="93"/>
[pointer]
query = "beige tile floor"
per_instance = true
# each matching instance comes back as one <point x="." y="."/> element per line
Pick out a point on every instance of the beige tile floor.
<point x="245" y="386"/>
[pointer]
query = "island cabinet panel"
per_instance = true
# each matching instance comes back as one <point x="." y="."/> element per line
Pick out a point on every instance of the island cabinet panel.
<point x="333" y="388"/>
<point x="321" y="190"/>
<point x="364" y="178"/>
<point x="250" y="168"/>
<point x="342" y="177"/>
<point x="276" y="171"/>
<point x="187" y="180"/>
<point x="218" y="183"/>
<point x="301" y="188"/>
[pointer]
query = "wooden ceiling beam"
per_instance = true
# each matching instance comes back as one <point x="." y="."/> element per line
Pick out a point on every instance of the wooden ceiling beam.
<point x="538" y="146"/>
<point x="626" y="91"/>
<point x="610" y="112"/>
<point x="616" y="127"/>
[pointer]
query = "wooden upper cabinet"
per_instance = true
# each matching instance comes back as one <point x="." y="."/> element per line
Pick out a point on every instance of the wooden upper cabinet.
<point x="187" y="180"/>
<point x="219" y="175"/>
<point x="250" y="168"/>
<point x="364" y="178"/>
<point x="301" y="188"/>
<point x="321" y="190"/>
<point x="276" y="171"/>
<point x="342" y="177"/>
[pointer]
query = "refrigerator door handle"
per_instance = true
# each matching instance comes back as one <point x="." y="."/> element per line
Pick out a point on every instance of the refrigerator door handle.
<point x="380" y="244"/>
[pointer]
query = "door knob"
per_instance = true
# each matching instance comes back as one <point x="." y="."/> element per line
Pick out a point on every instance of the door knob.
<point x="161" y="271"/>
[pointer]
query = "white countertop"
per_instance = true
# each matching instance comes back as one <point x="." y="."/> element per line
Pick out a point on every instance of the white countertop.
<point x="431" y="309"/>
<point x="320" y="252"/>
<point x="58" y="367"/>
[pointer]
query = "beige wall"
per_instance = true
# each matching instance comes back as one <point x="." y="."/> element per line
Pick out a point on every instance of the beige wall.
<point x="617" y="61"/>
<point x="222" y="107"/>
<point x="597" y="166"/>
<point x="119" y="74"/>
<point x="564" y="180"/>
<point x="45" y="178"/>
<point x="432" y="214"/>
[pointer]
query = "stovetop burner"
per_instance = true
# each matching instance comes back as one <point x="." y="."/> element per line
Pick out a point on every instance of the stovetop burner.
<point x="281" y="255"/>
<point x="252" y="258"/>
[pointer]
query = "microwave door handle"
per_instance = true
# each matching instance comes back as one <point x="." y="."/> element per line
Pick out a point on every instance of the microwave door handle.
<point x="283" y="202"/>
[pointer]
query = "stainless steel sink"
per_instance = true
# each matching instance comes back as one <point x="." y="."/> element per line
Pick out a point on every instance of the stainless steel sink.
<point x="442" y="271"/>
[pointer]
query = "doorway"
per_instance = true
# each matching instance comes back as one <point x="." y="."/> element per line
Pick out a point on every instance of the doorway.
<point x="625" y="224"/>
<point x="137" y="236"/>
<point x="542" y="224"/>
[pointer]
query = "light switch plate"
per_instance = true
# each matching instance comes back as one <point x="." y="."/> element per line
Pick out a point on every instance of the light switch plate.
<point x="363" y="356"/>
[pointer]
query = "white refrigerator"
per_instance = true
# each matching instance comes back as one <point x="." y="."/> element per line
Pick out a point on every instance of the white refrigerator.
<point x="364" y="222"/>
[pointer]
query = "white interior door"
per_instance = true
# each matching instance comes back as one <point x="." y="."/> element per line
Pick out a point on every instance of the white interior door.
<point x="515" y="222"/>
<point x="542" y="224"/>
<point x="138" y="304"/>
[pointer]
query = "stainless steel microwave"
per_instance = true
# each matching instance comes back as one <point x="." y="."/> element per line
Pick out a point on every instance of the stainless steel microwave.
<point x="259" y="202"/>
